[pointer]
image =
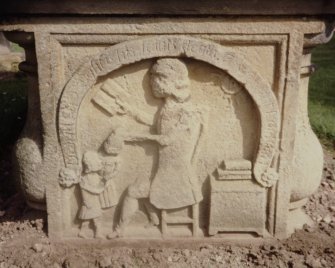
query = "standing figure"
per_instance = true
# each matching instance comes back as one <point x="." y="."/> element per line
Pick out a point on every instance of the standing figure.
<point x="180" y="125"/>
<point x="97" y="184"/>
<point x="91" y="185"/>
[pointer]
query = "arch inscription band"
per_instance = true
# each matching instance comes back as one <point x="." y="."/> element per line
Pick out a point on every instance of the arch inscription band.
<point x="130" y="52"/>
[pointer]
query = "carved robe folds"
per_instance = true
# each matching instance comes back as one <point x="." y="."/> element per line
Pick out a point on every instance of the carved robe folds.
<point x="175" y="184"/>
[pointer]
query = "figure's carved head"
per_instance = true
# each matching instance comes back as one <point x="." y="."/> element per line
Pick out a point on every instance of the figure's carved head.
<point x="169" y="78"/>
<point x="92" y="162"/>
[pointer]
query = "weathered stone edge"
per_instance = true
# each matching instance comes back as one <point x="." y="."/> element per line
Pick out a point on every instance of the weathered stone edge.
<point x="168" y="7"/>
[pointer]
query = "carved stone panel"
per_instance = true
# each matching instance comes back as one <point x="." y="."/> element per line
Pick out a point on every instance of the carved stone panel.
<point x="145" y="124"/>
<point x="168" y="127"/>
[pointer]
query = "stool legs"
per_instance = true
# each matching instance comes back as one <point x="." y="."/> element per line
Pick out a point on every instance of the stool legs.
<point x="195" y="217"/>
<point x="194" y="221"/>
<point x="163" y="222"/>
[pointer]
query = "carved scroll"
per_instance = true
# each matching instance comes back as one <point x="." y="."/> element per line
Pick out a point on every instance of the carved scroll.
<point x="130" y="52"/>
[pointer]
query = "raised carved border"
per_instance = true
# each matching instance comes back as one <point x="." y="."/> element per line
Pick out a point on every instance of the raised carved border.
<point x="57" y="41"/>
<point x="133" y="51"/>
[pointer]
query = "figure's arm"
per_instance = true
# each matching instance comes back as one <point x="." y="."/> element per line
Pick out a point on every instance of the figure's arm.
<point x="114" y="99"/>
<point x="140" y="116"/>
<point x="161" y="139"/>
<point x="111" y="169"/>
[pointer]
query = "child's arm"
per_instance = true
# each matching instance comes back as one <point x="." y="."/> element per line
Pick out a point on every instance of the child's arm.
<point x="111" y="167"/>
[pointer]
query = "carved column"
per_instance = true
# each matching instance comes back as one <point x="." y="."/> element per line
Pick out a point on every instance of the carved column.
<point x="28" y="156"/>
<point x="308" y="155"/>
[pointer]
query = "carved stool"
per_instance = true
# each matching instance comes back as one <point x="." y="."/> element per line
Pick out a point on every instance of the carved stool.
<point x="194" y="220"/>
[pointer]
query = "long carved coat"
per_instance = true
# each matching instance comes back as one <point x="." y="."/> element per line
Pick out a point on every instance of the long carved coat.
<point x="175" y="184"/>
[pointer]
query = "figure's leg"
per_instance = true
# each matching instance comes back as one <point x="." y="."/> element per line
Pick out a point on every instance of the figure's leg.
<point x="139" y="189"/>
<point x="83" y="225"/>
<point x="154" y="219"/>
<point x="97" y="228"/>
<point x="129" y="207"/>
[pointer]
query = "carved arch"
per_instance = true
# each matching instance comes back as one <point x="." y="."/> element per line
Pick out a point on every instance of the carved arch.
<point x="129" y="52"/>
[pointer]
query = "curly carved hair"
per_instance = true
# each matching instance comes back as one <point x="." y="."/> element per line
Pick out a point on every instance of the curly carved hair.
<point x="176" y="71"/>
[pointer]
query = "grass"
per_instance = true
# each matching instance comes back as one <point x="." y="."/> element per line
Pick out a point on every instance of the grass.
<point x="16" y="47"/>
<point x="322" y="94"/>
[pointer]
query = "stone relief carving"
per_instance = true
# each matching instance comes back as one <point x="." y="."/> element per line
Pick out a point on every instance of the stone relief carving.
<point x="96" y="183"/>
<point x="177" y="132"/>
<point x="92" y="185"/>
<point x="97" y="187"/>
<point x="55" y="115"/>
<point x="134" y="51"/>
<point x="232" y="185"/>
<point x="180" y="127"/>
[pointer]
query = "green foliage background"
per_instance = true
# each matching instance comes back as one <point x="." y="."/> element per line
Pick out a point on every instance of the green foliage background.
<point x="322" y="94"/>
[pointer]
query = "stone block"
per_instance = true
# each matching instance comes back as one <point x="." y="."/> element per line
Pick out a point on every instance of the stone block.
<point x="156" y="127"/>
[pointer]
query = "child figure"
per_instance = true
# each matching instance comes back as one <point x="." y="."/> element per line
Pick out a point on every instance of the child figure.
<point x="97" y="184"/>
<point x="92" y="184"/>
